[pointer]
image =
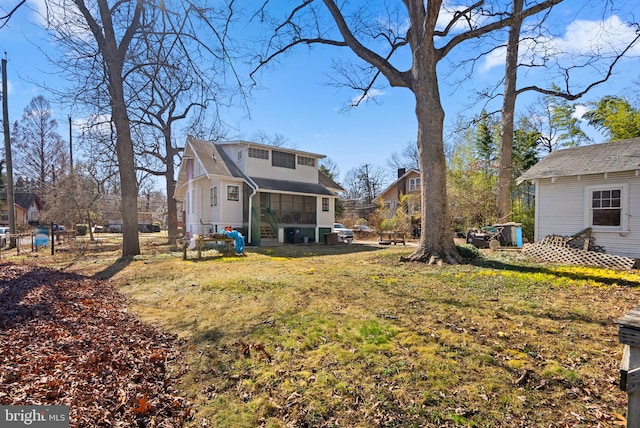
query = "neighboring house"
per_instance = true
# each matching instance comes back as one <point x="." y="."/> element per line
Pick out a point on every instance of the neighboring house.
<point x="268" y="193"/>
<point x="27" y="209"/>
<point x="597" y="187"/>
<point x="408" y="182"/>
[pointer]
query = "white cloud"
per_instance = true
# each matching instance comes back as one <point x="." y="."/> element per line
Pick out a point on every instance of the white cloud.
<point x="580" y="110"/>
<point x="581" y="37"/>
<point x="371" y="93"/>
<point x="446" y="15"/>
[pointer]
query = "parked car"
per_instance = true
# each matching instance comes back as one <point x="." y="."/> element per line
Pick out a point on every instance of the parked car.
<point x="343" y="232"/>
<point x="4" y="236"/>
<point x="363" y="228"/>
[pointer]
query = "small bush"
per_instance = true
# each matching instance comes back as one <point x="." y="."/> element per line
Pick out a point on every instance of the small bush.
<point x="81" y="229"/>
<point x="468" y="252"/>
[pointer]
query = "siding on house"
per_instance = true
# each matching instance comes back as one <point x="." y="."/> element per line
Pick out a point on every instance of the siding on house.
<point x="561" y="208"/>
<point x="207" y="165"/>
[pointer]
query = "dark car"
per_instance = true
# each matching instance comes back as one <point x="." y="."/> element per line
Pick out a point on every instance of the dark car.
<point x="363" y="228"/>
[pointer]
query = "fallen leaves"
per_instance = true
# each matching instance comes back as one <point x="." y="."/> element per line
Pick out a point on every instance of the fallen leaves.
<point x="67" y="339"/>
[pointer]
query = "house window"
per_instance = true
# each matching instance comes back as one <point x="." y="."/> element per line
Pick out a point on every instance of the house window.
<point x="239" y="156"/>
<point x="414" y="184"/>
<point x="325" y="204"/>
<point x="282" y="159"/>
<point x="258" y="153"/>
<point x="233" y="193"/>
<point x="305" y="160"/>
<point x="213" y="196"/>
<point x="607" y="206"/>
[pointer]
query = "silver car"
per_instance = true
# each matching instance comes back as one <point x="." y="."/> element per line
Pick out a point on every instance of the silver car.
<point x="343" y="233"/>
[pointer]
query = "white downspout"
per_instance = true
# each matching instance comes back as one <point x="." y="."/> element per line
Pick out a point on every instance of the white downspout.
<point x="254" y="186"/>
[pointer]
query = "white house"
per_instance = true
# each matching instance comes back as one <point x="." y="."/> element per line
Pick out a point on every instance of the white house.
<point x="597" y="187"/>
<point x="266" y="192"/>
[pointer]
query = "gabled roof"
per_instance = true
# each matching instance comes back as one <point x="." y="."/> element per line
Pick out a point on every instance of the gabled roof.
<point x="217" y="162"/>
<point x="395" y="183"/>
<point x="326" y="181"/>
<point x="23" y="200"/>
<point x="615" y="156"/>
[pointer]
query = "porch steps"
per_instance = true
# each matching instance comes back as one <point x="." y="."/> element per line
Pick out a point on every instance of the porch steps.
<point x="266" y="232"/>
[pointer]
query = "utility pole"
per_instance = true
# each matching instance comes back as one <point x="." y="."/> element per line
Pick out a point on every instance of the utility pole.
<point x="7" y="153"/>
<point x="70" y="147"/>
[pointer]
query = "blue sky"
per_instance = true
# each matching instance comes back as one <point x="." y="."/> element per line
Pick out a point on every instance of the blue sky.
<point x="296" y="101"/>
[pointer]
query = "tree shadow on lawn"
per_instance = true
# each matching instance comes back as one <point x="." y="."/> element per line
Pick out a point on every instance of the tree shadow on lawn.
<point x="314" y="250"/>
<point x="111" y="270"/>
<point x="501" y="265"/>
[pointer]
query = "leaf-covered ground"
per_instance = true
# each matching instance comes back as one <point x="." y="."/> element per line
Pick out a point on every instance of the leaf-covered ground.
<point x="67" y="339"/>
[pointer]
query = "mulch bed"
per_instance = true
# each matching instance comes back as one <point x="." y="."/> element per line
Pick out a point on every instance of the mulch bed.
<point x="67" y="339"/>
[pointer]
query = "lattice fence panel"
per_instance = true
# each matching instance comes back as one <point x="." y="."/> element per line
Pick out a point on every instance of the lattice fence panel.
<point x="564" y="255"/>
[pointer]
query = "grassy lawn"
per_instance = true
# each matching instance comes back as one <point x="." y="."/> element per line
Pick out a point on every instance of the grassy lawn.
<point x="314" y="336"/>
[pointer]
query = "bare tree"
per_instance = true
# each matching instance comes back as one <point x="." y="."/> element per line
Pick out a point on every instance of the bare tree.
<point x="106" y="44"/>
<point x="39" y="149"/>
<point x="364" y="183"/>
<point x="415" y="24"/>
<point x="276" y="140"/>
<point x="6" y="14"/>
<point x="164" y="97"/>
<point x="407" y="159"/>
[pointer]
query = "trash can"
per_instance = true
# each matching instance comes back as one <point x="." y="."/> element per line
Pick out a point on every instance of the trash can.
<point x="292" y="235"/>
<point x="511" y="234"/>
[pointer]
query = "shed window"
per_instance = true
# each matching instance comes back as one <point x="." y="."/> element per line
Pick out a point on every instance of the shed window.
<point x="607" y="206"/>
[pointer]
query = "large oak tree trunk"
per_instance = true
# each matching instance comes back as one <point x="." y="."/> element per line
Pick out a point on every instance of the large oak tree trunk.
<point x="436" y="239"/>
<point x="126" y="168"/>
<point x="505" y="170"/>
<point x="172" y="206"/>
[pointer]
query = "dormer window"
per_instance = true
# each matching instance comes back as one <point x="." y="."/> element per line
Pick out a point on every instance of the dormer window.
<point x="305" y="160"/>
<point x="258" y="153"/>
<point x="283" y="159"/>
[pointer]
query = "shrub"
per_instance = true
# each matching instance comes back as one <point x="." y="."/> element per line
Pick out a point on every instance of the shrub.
<point x="468" y="252"/>
<point x="81" y="229"/>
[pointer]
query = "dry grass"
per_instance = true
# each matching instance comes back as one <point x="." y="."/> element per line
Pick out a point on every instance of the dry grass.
<point x="349" y="336"/>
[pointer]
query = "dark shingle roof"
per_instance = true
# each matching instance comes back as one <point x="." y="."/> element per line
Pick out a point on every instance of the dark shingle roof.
<point x="291" y="186"/>
<point x="594" y="159"/>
